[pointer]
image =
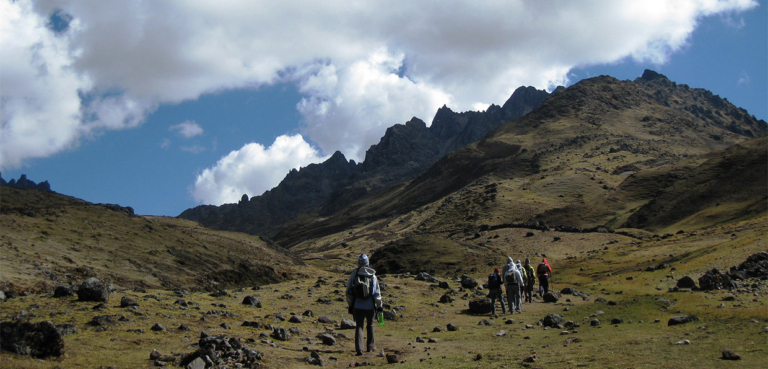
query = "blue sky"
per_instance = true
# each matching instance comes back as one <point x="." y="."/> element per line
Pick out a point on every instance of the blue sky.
<point x="100" y="106"/>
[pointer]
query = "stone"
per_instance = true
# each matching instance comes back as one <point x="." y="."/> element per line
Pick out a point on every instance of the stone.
<point x="682" y="319"/>
<point x="36" y="339"/>
<point x="390" y="315"/>
<point x="326" y="320"/>
<point x="347" y="324"/>
<point x="715" y="280"/>
<point x="198" y="363"/>
<point x="480" y="305"/>
<point x="252" y="301"/>
<point x="393" y="358"/>
<point x="553" y="320"/>
<point x="469" y="283"/>
<point x="280" y="334"/>
<point x="594" y="322"/>
<point x="551" y="296"/>
<point x="327" y="339"/>
<point x="126" y="301"/>
<point x="308" y="313"/>
<point x="63" y="291"/>
<point x="66" y="329"/>
<point x="447" y="298"/>
<point x="686" y="282"/>
<point x="432" y="340"/>
<point x="730" y="355"/>
<point x="509" y="321"/>
<point x="452" y="328"/>
<point x="157" y="328"/>
<point x="437" y="330"/>
<point x="485" y="322"/>
<point x="296" y="319"/>
<point x="154" y="355"/>
<point x="617" y="321"/>
<point x="530" y="359"/>
<point x="93" y="290"/>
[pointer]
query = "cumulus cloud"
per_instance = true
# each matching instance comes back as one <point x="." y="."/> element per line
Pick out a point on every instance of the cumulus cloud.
<point x="187" y="129"/>
<point x="361" y="68"/>
<point x="252" y="170"/>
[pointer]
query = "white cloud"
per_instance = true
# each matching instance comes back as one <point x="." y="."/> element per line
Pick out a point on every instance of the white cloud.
<point x="188" y="129"/>
<point x="252" y="170"/>
<point x="165" y="144"/>
<point x="743" y="78"/>
<point x="362" y="68"/>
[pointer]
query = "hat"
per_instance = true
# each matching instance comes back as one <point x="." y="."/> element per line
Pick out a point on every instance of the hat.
<point x="496" y="270"/>
<point x="362" y="260"/>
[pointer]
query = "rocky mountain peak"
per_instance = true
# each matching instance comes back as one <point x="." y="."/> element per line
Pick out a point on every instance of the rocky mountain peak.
<point x="25" y="183"/>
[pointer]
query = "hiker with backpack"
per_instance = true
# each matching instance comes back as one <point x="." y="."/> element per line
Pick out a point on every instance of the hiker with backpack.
<point x="363" y="301"/>
<point x="520" y="269"/>
<point x="544" y="271"/>
<point x="494" y="286"/>
<point x="530" y="280"/>
<point x="514" y="281"/>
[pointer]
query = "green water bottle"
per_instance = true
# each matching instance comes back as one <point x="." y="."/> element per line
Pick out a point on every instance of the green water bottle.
<point x="380" y="317"/>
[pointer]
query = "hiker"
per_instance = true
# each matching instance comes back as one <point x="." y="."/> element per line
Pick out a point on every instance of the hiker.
<point x="530" y="280"/>
<point x="513" y="280"/>
<point x="494" y="286"/>
<point x="520" y="269"/>
<point x="544" y="271"/>
<point x="363" y="301"/>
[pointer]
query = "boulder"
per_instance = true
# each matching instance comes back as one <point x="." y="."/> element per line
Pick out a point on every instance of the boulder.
<point x="756" y="266"/>
<point x="390" y="315"/>
<point x="126" y="301"/>
<point x="553" y="320"/>
<point x="327" y="339"/>
<point x="252" y="301"/>
<point x="470" y="283"/>
<point x="551" y="296"/>
<point x="392" y="358"/>
<point x="686" y="282"/>
<point x="36" y="339"/>
<point x="63" y="291"/>
<point x="280" y="334"/>
<point x="93" y="290"/>
<point x="682" y="319"/>
<point x="452" y="328"/>
<point x="347" y="324"/>
<point x="715" y="280"/>
<point x="617" y="321"/>
<point x="480" y="306"/>
<point x="326" y="320"/>
<point x="447" y="299"/>
<point x="594" y="322"/>
<point x="296" y="319"/>
<point x="730" y="355"/>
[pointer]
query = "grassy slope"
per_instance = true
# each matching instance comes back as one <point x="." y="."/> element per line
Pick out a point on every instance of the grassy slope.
<point x="607" y="261"/>
<point x="49" y="239"/>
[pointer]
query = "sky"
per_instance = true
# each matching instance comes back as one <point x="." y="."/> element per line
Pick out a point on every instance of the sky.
<point x="166" y="105"/>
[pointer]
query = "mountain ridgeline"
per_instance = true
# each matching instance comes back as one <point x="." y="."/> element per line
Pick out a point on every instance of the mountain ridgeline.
<point x="404" y="152"/>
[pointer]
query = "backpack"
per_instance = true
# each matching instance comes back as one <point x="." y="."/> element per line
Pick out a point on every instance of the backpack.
<point x="523" y="274"/>
<point x="511" y="278"/>
<point x="362" y="286"/>
<point x="493" y="281"/>
<point x="542" y="269"/>
<point x="529" y="272"/>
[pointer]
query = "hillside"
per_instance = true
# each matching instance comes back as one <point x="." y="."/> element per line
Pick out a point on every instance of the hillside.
<point x="565" y="163"/>
<point x="50" y="239"/>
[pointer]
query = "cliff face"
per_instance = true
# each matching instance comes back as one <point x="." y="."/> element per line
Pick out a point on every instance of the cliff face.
<point x="404" y="152"/>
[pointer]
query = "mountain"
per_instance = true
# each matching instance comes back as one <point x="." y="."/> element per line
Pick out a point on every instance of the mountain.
<point x="597" y="154"/>
<point x="404" y="152"/>
<point x="23" y="182"/>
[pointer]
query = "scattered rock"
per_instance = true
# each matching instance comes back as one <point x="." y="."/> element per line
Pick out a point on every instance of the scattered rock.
<point x="390" y="315"/>
<point x="553" y="321"/>
<point x="93" y="290"/>
<point x="686" y="282"/>
<point x="327" y="339"/>
<point x="36" y="339"/>
<point x="252" y="301"/>
<point x="62" y="291"/>
<point x="347" y="324"/>
<point x="485" y="322"/>
<point x="594" y="322"/>
<point x="66" y="329"/>
<point x="682" y="319"/>
<point x="393" y="358"/>
<point x="551" y="296"/>
<point x="280" y="334"/>
<point x="447" y="298"/>
<point x="683" y="342"/>
<point x="296" y="319"/>
<point x="126" y="301"/>
<point x="157" y="328"/>
<point x="308" y="313"/>
<point x="221" y="349"/>
<point x="480" y="306"/>
<point x="531" y="359"/>
<point x="617" y="321"/>
<point x="730" y="355"/>
<point x="469" y="283"/>
<point x="154" y="355"/>
<point x="715" y="280"/>
<point x="452" y="328"/>
<point x="326" y="320"/>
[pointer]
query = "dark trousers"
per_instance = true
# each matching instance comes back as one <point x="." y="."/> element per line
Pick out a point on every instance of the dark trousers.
<point x="544" y="283"/>
<point x="529" y="292"/>
<point x="360" y="319"/>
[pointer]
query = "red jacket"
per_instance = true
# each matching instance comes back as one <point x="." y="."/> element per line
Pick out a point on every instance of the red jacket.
<point x="549" y="268"/>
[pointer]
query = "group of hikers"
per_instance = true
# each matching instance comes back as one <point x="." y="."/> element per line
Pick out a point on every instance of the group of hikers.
<point x="518" y="279"/>
<point x="364" y="294"/>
